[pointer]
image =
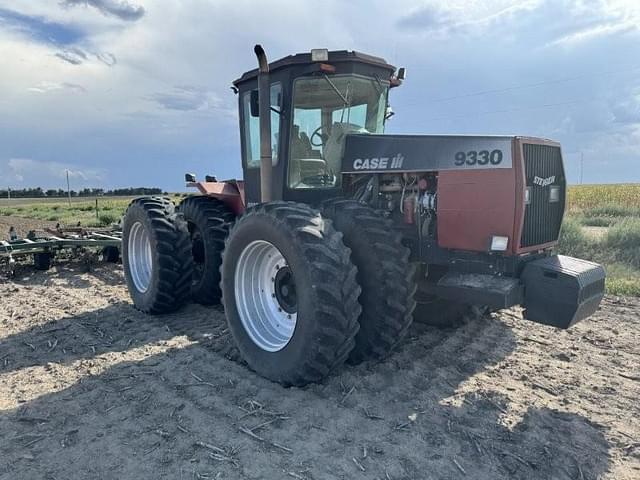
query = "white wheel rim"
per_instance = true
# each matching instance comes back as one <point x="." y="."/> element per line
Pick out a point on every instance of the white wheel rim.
<point x="140" y="257"/>
<point x="262" y="274"/>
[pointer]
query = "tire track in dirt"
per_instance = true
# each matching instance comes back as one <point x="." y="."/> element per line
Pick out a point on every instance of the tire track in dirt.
<point x="159" y="397"/>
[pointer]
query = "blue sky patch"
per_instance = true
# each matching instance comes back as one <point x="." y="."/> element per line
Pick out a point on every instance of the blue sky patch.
<point x="40" y="29"/>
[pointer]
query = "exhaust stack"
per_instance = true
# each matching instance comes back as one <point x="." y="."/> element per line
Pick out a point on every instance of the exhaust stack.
<point x="264" y="100"/>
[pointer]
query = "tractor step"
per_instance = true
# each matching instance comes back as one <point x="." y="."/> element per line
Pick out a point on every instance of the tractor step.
<point x="479" y="289"/>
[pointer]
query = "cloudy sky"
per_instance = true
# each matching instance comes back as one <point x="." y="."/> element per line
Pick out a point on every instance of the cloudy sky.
<point x="137" y="92"/>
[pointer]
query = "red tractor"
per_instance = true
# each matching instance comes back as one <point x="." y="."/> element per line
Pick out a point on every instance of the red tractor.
<point x="340" y="235"/>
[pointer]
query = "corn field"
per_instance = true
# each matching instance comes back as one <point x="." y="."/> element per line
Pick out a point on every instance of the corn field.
<point x="587" y="197"/>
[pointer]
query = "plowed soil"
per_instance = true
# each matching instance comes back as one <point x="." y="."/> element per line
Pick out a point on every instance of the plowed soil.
<point x="92" y="389"/>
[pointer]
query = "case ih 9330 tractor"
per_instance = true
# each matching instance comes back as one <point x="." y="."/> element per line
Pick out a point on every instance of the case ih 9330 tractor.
<point x="338" y="231"/>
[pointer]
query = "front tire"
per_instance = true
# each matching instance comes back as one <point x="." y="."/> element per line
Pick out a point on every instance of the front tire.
<point x="289" y="293"/>
<point x="156" y="255"/>
<point x="208" y="220"/>
<point x="384" y="273"/>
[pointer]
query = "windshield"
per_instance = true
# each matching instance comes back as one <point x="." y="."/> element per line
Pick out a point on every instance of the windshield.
<point x="325" y="109"/>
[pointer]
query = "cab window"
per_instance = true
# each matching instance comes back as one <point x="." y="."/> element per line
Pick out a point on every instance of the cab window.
<point x="252" y="128"/>
<point x="325" y="110"/>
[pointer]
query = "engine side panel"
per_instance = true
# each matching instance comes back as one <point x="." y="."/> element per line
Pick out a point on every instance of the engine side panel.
<point x="473" y="206"/>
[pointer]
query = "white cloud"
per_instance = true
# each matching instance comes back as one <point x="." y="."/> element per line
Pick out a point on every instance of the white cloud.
<point x="460" y="16"/>
<point x="45" y="86"/>
<point x="187" y="98"/>
<point x="120" y="9"/>
<point x="155" y="91"/>
<point x="28" y="172"/>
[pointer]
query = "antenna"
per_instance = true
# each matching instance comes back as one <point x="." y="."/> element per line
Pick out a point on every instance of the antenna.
<point x="68" y="189"/>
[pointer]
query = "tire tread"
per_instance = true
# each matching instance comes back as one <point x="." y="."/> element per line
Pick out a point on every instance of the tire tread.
<point x="214" y="218"/>
<point x="334" y="278"/>
<point x="174" y="254"/>
<point x="387" y="310"/>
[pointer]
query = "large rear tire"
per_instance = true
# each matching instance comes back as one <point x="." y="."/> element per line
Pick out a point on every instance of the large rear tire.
<point x="289" y="292"/>
<point x="384" y="273"/>
<point x="208" y="220"/>
<point x="156" y="255"/>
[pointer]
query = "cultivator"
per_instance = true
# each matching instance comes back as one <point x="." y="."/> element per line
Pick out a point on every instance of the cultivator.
<point x="43" y="245"/>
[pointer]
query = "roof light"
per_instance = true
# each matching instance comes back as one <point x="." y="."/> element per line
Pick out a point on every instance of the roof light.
<point x="319" y="55"/>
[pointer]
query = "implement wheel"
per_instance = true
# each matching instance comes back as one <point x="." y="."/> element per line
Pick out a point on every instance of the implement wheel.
<point x="384" y="273"/>
<point x="42" y="261"/>
<point x="289" y="292"/>
<point x="156" y="255"/>
<point x="208" y="220"/>
<point x="110" y="254"/>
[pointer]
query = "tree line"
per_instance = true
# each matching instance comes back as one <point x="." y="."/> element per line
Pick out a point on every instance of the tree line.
<point x="38" y="192"/>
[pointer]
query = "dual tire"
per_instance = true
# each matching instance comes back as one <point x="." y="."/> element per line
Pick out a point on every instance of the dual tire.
<point x="208" y="220"/>
<point x="303" y="289"/>
<point x="353" y="286"/>
<point x="156" y="255"/>
<point x="171" y="256"/>
<point x="384" y="273"/>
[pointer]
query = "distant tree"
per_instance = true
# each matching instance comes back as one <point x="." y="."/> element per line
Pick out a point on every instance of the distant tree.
<point x="37" y="192"/>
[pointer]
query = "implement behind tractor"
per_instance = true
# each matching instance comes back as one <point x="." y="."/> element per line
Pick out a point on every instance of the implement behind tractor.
<point x="340" y="236"/>
<point x="43" y="246"/>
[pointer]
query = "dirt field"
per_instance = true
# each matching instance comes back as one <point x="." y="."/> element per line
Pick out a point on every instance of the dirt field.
<point x="91" y="388"/>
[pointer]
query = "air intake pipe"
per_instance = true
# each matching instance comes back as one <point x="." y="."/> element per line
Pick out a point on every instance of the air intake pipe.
<point x="264" y="101"/>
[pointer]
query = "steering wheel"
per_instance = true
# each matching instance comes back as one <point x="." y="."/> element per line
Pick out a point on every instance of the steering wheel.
<point x="317" y="133"/>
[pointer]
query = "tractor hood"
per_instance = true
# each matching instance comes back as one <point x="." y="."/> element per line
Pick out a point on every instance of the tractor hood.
<point x="419" y="153"/>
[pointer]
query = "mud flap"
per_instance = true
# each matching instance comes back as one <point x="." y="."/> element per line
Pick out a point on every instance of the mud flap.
<point x="560" y="291"/>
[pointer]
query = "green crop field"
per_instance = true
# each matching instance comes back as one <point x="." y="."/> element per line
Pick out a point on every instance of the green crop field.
<point x="80" y="209"/>
<point x="602" y="223"/>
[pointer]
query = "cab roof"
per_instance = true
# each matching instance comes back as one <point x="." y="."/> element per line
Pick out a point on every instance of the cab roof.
<point x="336" y="56"/>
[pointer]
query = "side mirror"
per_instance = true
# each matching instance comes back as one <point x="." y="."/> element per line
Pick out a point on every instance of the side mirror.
<point x="254" y="104"/>
<point x="388" y="113"/>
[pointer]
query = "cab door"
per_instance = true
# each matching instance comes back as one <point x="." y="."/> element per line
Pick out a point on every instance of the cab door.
<point x="250" y="143"/>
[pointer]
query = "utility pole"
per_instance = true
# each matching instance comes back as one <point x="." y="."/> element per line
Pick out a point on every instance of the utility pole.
<point x="581" y="166"/>
<point x="69" y="190"/>
<point x="8" y="193"/>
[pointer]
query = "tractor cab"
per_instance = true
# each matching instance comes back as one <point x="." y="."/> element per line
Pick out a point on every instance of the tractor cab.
<point x="315" y="100"/>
